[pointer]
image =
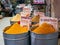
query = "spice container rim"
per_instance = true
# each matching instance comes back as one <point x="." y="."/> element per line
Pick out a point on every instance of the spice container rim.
<point x="44" y="34"/>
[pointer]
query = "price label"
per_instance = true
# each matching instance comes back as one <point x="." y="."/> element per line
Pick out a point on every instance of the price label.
<point x="26" y="9"/>
<point x="25" y="14"/>
<point x="50" y="20"/>
<point x="25" y="21"/>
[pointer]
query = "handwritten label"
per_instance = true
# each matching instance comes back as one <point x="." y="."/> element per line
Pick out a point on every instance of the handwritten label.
<point x="25" y="14"/>
<point x="26" y="9"/>
<point x="25" y="21"/>
<point x="50" y="20"/>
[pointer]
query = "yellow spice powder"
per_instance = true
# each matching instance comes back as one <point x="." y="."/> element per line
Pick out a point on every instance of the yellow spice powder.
<point x="16" y="18"/>
<point x="16" y="29"/>
<point x="44" y="29"/>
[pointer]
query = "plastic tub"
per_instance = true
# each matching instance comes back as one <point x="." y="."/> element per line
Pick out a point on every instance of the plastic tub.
<point x="16" y="39"/>
<point x="44" y="39"/>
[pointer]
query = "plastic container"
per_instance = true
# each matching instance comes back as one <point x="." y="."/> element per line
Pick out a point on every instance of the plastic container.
<point x="44" y="39"/>
<point x="16" y="39"/>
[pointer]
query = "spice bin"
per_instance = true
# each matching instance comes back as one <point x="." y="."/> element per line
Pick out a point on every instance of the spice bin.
<point x="44" y="39"/>
<point x="15" y="39"/>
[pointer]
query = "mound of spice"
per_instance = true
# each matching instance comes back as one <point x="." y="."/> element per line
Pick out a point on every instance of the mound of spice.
<point x="44" y="28"/>
<point x="16" y="29"/>
<point x="16" y="18"/>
